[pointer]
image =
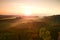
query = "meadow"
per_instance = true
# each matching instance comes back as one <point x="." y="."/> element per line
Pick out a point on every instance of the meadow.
<point x="46" y="28"/>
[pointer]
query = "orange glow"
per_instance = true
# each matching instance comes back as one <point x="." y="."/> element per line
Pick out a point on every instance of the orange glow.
<point x="28" y="11"/>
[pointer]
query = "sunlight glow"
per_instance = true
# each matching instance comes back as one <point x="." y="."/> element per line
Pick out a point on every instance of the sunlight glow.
<point x="28" y="11"/>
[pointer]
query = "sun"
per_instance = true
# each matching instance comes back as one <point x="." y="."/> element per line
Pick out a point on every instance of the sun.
<point x="28" y="11"/>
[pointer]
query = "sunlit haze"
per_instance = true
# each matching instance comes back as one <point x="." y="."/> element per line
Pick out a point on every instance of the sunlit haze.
<point x="30" y="7"/>
<point x="28" y="11"/>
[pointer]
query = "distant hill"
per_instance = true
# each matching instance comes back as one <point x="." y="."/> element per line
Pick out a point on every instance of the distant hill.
<point x="6" y="17"/>
<point x="54" y="18"/>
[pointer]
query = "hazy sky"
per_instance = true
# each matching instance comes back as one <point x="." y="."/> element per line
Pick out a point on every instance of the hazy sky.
<point x="37" y="7"/>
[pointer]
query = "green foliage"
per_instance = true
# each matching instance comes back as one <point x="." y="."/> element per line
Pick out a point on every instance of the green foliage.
<point x="44" y="33"/>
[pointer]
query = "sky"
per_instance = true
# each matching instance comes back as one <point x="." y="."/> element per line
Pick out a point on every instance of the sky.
<point x="33" y="7"/>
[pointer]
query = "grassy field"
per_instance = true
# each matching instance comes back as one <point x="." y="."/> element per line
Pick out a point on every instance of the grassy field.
<point x="48" y="28"/>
